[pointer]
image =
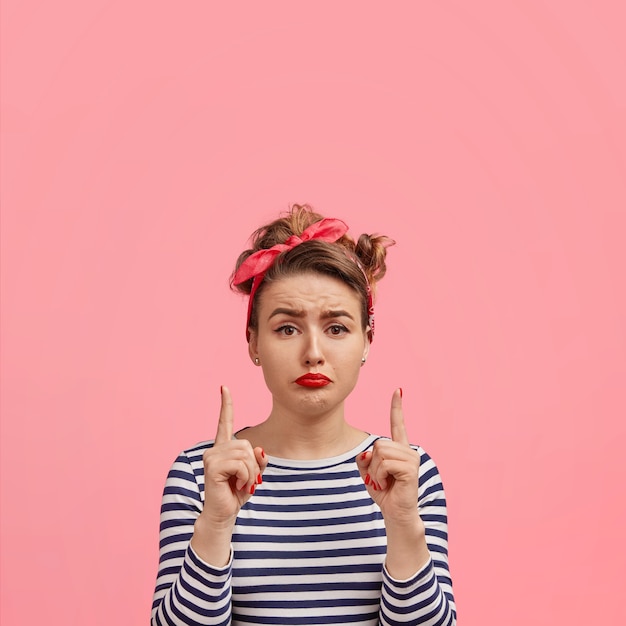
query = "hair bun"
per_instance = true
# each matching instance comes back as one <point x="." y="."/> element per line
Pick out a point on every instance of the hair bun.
<point x="371" y="251"/>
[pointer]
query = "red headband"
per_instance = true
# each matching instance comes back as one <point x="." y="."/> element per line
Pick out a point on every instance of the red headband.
<point x="257" y="264"/>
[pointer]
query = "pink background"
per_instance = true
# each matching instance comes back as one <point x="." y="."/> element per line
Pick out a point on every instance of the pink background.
<point x="144" y="141"/>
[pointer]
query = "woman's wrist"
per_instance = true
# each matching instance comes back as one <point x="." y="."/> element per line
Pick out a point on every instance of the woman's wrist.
<point x="212" y="543"/>
<point x="407" y="550"/>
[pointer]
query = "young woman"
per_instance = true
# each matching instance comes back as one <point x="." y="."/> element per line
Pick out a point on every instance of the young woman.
<point x="305" y="518"/>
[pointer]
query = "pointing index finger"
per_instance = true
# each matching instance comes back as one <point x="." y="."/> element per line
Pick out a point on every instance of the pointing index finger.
<point x="225" y="423"/>
<point x="398" y="429"/>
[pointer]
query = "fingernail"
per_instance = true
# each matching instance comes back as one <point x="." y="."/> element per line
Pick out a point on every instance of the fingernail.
<point x="364" y="456"/>
<point x="262" y="453"/>
<point x="221" y="389"/>
<point x="259" y="479"/>
<point x="400" y="391"/>
<point x="374" y="486"/>
<point x="367" y="479"/>
<point x="251" y="489"/>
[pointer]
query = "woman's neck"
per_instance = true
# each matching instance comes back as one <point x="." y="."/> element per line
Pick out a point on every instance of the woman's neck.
<point x="303" y="437"/>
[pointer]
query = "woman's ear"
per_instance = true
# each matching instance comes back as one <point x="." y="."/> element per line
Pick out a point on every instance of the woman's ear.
<point x="366" y="350"/>
<point x="252" y="347"/>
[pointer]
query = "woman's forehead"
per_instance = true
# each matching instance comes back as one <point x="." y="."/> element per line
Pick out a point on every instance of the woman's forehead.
<point x="310" y="290"/>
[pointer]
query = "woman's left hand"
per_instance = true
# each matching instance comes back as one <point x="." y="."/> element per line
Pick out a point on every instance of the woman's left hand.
<point x="390" y="470"/>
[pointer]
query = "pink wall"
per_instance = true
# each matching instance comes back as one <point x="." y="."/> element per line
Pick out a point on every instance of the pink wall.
<point x="144" y="141"/>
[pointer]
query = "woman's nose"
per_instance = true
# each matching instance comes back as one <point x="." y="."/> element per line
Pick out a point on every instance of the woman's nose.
<point x="313" y="352"/>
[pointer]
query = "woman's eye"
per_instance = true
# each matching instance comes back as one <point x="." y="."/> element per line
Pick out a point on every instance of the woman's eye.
<point x="286" y="330"/>
<point x="338" y="329"/>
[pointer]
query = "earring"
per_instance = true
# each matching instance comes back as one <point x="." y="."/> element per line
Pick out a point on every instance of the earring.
<point x="256" y="360"/>
<point x="362" y="361"/>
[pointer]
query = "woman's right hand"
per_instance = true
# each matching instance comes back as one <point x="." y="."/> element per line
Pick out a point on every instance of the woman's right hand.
<point x="232" y="469"/>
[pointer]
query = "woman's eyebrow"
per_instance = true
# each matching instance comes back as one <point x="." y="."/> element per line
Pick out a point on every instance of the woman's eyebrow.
<point x="331" y="313"/>
<point x="289" y="312"/>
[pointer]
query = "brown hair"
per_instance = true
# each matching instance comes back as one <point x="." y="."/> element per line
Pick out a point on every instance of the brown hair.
<point x="347" y="260"/>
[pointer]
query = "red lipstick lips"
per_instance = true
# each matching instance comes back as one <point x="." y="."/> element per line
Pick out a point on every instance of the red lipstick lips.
<point x="313" y="380"/>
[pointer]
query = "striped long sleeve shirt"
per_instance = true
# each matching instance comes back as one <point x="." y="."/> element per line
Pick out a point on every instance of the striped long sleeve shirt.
<point x="307" y="548"/>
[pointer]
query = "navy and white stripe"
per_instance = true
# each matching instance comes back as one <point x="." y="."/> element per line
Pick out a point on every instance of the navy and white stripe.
<point x="308" y="548"/>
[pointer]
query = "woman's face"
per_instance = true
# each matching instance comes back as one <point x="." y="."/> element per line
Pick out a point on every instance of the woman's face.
<point x="309" y="324"/>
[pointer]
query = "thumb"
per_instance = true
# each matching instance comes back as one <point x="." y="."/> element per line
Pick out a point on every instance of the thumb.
<point x="261" y="458"/>
<point x="363" y="460"/>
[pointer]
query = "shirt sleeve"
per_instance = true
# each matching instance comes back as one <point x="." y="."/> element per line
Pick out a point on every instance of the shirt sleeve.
<point x="188" y="591"/>
<point x="426" y="598"/>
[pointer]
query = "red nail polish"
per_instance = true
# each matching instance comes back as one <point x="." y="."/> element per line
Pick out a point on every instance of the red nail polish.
<point x="367" y="479"/>
<point x="374" y="486"/>
<point x="259" y="479"/>
<point x="262" y="453"/>
<point x="251" y="489"/>
<point x="400" y="391"/>
<point x="364" y="456"/>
